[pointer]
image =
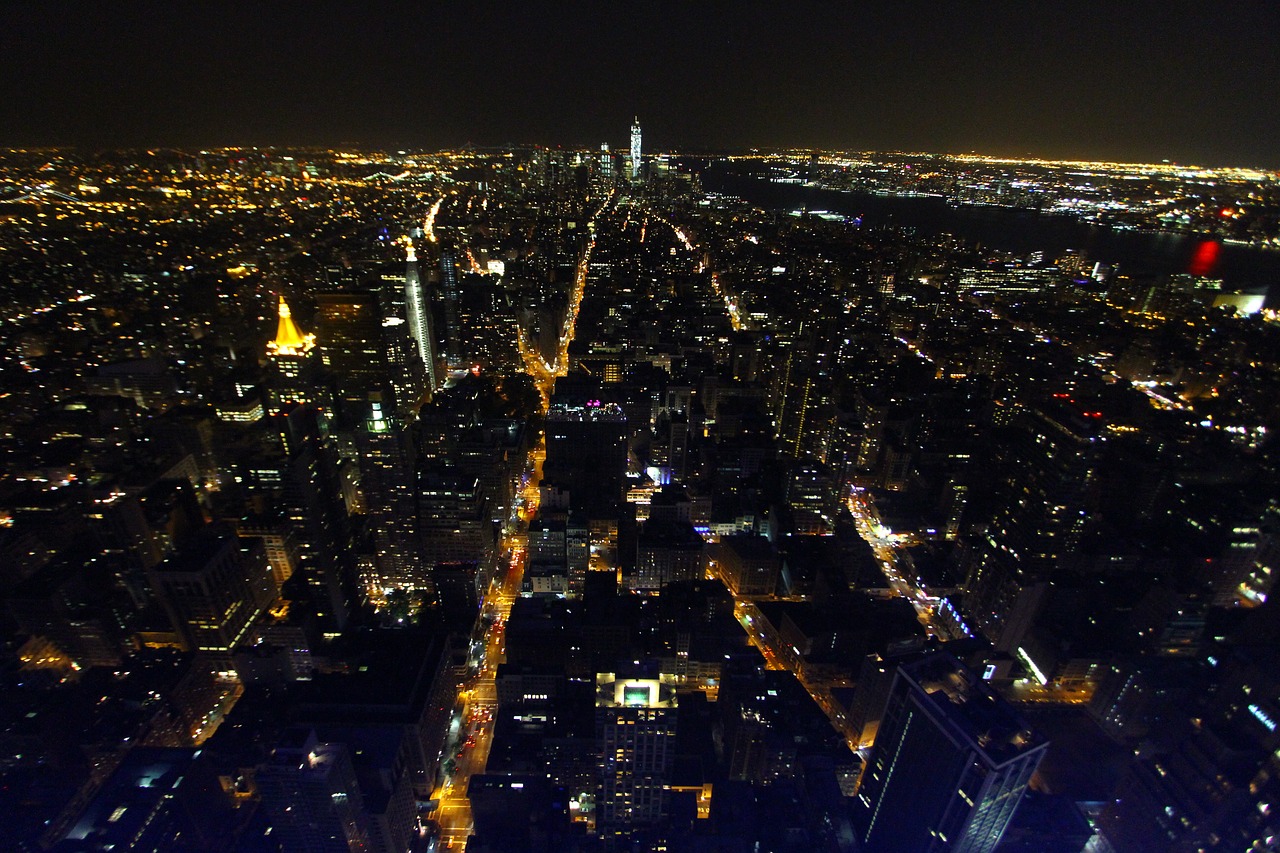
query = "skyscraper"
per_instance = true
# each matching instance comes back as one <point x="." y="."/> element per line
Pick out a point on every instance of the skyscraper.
<point x="606" y="161"/>
<point x="314" y="507"/>
<point x="353" y="345"/>
<point x="454" y="521"/>
<point x="293" y="362"/>
<point x="289" y="340"/>
<point x="1045" y="493"/>
<point x="950" y="764"/>
<point x="635" y="149"/>
<point x="214" y="589"/>
<point x="419" y="316"/>
<point x="388" y="479"/>
<point x="449" y="283"/>
<point x="636" y="732"/>
<point x="311" y="796"/>
<point x="587" y="452"/>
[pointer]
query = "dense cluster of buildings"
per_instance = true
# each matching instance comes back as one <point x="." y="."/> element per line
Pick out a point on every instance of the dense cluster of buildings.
<point x="539" y="500"/>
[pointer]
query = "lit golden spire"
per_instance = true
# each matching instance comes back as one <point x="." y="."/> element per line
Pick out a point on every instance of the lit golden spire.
<point x="411" y="256"/>
<point x="289" y="339"/>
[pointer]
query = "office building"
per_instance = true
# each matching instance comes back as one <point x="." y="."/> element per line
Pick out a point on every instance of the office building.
<point x="667" y="551"/>
<point x="457" y="593"/>
<point x="311" y="796"/>
<point x="214" y="589"/>
<point x="587" y="452"/>
<point x="418" y="310"/>
<point x="313" y="505"/>
<point x="747" y="564"/>
<point x="352" y="344"/>
<point x="950" y="764"/>
<point x="636" y="731"/>
<point x="388" y="481"/>
<point x="158" y="799"/>
<point x="606" y="162"/>
<point x="294" y="364"/>
<point x="454" y="522"/>
<point x="452" y="297"/>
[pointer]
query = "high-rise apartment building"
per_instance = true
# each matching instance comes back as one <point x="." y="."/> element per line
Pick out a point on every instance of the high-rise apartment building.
<point x="805" y="408"/>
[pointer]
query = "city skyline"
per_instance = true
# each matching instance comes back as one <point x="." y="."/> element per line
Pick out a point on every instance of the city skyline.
<point x="599" y="500"/>
<point x="586" y="428"/>
<point x="1142" y="83"/>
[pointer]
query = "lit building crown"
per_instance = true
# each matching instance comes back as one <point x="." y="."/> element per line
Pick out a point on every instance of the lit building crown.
<point x="289" y="338"/>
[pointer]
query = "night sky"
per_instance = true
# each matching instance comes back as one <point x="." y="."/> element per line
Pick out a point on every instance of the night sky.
<point x="1191" y="82"/>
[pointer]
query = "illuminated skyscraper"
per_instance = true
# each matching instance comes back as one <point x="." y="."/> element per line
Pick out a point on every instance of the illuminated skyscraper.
<point x="449" y="283"/>
<point x="635" y="149"/>
<point x="606" y="161"/>
<point x="419" y="315"/>
<point x="289" y="340"/>
<point x="294" y="363"/>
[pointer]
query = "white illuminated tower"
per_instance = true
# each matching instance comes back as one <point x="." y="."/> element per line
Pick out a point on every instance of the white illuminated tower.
<point x="635" y="149"/>
<point x="606" y="160"/>
<point x="415" y="306"/>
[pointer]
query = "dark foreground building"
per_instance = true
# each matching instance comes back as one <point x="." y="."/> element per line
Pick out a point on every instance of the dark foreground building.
<point x="950" y="763"/>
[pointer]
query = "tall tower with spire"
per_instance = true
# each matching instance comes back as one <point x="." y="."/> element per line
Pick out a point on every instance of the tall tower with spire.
<point x="419" y="316"/>
<point x="294" y="363"/>
<point x="289" y="340"/>
<point x="635" y="149"/>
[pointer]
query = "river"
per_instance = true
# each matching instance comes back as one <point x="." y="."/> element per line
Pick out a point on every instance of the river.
<point x="1241" y="268"/>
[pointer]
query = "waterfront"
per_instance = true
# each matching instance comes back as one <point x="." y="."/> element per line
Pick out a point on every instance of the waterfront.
<point x="1020" y="231"/>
